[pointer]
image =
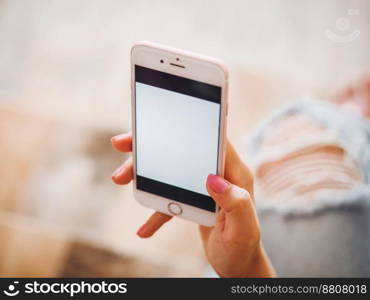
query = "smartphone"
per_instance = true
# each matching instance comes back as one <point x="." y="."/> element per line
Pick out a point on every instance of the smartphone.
<point x="179" y="111"/>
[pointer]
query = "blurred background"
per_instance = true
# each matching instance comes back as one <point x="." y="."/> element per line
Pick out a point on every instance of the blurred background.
<point x="64" y="91"/>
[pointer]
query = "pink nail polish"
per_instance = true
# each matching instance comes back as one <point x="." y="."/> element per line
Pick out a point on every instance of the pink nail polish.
<point x="217" y="184"/>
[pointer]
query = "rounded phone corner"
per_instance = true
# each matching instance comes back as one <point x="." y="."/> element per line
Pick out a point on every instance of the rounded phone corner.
<point x="210" y="224"/>
<point x="139" y="46"/>
<point x="221" y="66"/>
<point x="209" y="221"/>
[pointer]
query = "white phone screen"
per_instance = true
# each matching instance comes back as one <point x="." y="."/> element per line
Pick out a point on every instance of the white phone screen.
<point x="177" y="136"/>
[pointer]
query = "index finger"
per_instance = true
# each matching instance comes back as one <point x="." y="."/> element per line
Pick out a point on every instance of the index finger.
<point x="236" y="171"/>
<point x="122" y="142"/>
<point x="155" y="222"/>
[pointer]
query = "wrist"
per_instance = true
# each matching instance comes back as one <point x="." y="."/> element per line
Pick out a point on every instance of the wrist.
<point x="259" y="264"/>
<point x="256" y="264"/>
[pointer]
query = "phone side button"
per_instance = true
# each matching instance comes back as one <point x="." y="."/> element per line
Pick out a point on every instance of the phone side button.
<point x="174" y="208"/>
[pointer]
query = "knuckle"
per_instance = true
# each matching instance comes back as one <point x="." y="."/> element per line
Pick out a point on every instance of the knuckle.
<point x="241" y="199"/>
<point x="241" y="196"/>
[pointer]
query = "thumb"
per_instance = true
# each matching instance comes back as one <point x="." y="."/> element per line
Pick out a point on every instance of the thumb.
<point x="234" y="201"/>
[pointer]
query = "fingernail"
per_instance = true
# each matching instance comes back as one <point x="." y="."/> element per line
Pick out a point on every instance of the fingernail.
<point x="118" y="171"/>
<point x="217" y="184"/>
<point x="141" y="231"/>
<point x="117" y="137"/>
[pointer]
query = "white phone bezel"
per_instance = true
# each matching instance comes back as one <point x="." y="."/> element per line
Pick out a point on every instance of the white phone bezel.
<point x="198" y="68"/>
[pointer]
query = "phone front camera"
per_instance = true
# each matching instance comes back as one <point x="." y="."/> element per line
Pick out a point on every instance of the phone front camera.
<point x="161" y="61"/>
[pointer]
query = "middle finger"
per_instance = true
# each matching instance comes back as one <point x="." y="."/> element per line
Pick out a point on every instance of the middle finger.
<point x="124" y="174"/>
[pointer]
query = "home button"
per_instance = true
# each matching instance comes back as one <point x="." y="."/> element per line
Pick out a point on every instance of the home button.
<point x="174" y="208"/>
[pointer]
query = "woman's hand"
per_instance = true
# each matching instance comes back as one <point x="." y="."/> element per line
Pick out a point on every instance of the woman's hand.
<point x="233" y="245"/>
